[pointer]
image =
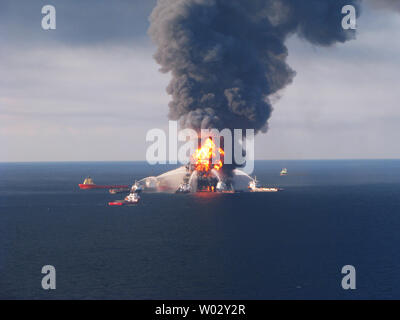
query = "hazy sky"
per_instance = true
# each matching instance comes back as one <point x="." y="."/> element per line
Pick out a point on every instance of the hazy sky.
<point x="90" y="90"/>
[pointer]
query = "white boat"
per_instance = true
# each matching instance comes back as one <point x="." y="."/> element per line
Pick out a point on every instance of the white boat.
<point x="255" y="186"/>
<point x="272" y="189"/>
<point x="132" y="198"/>
<point x="284" y="172"/>
<point x="183" y="188"/>
<point x="136" y="188"/>
<point x="223" y="187"/>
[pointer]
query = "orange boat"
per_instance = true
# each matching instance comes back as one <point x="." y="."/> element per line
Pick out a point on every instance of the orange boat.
<point x="89" y="184"/>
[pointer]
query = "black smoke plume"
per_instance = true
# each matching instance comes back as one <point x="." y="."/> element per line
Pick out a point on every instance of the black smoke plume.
<point x="228" y="57"/>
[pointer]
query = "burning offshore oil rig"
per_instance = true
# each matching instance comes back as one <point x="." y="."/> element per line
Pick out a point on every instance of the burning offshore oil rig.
<point x="204" y="173"/>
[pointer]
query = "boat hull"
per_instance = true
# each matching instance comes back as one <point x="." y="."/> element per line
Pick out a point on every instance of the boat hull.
<point x="266" y="189"/>
<point x="95" y="186"/>
<point x="119" y="190"/>
<point x="122" y="203"/>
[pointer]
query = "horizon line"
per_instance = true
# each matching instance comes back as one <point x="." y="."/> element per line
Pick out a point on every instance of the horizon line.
<point x="126" y="161"/>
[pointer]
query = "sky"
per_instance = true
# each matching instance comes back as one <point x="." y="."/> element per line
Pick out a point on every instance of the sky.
<point x="90" y="90"/>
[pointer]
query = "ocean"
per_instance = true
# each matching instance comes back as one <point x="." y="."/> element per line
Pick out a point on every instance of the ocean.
<point x="286" y="245"/>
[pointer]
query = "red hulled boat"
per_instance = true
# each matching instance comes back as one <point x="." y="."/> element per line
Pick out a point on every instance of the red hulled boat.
<point x="89" y="184"/>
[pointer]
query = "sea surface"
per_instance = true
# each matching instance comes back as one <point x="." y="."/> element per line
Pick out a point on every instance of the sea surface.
<point x="286" y="245"/>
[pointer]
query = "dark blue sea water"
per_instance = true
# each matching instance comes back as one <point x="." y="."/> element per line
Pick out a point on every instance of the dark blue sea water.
<point x="287" y="245"/>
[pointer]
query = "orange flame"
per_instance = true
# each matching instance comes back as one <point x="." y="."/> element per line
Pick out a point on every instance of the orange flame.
<point x="203" y="157"/>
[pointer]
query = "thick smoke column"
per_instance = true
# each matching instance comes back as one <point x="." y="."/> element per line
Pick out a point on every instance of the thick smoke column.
<point x="227" y="57"/>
